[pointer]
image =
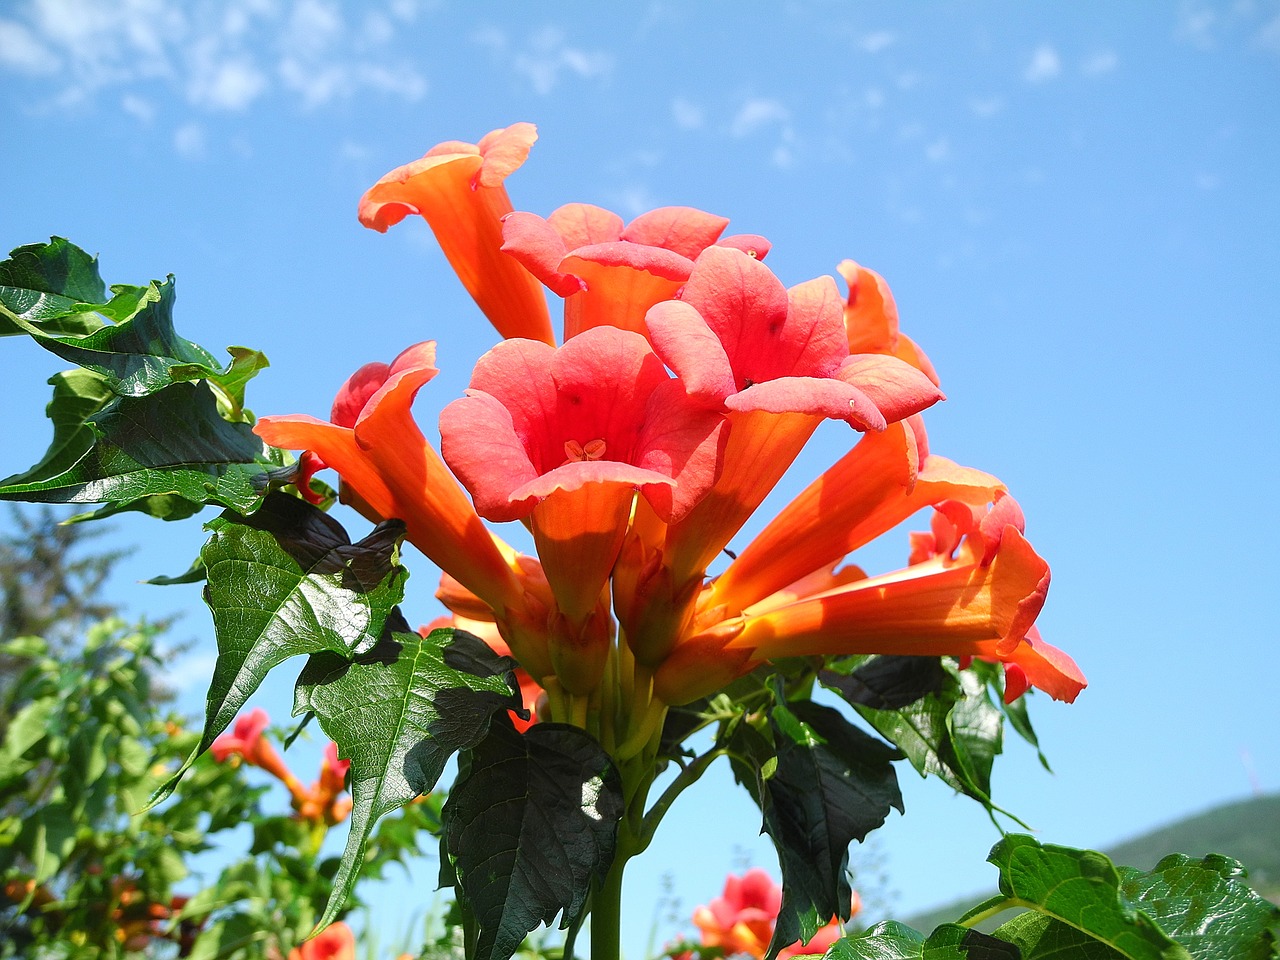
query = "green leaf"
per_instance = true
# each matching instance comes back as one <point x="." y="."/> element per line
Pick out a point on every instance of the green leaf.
<point x="896" y="941"/>
<point x="1080" y="888"/>
<point x="46" y="284"/>
<point x="1206" y="906"/>
<point x="887" y="682"/>
<point x="954" y="735"/>
<point x="171" y="444"/>
<point x="530" y="825"/>
<point x="834" y="784"/>
<point x="288" y="581"/>
<point x="398" y="713"/>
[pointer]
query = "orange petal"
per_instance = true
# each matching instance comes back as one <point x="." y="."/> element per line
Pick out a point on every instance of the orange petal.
<point x="870" y="490"/>
<point x="458" y="188"/>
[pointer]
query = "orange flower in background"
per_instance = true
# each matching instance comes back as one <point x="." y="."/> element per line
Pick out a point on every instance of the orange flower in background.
<point x="742" y="918"/>
<point x="247" y="740"/>
<point x="458" y="188"/>
<point x="334" y="942"/>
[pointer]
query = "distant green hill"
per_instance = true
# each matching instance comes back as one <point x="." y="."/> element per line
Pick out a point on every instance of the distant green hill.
<point x="1248" y="831"/>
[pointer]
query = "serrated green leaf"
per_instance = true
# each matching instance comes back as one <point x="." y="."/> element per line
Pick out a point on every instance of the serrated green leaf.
<point x="1080" y="888"/>
<point x="954" y="735"/>
<point x="1039" y="937"/>
<point x="172" y="443"/>
<point x="1206" y="906"/>
<point x="833" y="784"/>
<point x="895" y="941"/>
<point x="530" y="825"/>
<point x="284" y="582"/>
<point x="398" y="713"/>
<point x="889" y="940"/>
<point x="46" y="284"/>
<point x="887" y="682"/>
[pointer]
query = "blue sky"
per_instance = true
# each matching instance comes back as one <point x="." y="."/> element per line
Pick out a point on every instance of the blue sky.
<point x="1077" y="207"/>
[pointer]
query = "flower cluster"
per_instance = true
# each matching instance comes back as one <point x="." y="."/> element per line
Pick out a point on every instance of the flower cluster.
<point x="321" y="802"/>
<point x="634" y="449"/>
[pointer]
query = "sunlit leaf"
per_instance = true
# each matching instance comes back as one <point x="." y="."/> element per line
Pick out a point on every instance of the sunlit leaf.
<point x="398" y="713"/>
<point x="284" y="582"/>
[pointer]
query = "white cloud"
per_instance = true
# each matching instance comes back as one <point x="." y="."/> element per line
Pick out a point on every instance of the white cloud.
<point x="873" y="98"/>
<point x="1045" y="64"/>
<point x="687" y="114"/>
<point x="137" y="107"/>
<point x="757" y="113"/>
<point x="1099" y="63"/>
<point x="938" y="151"/>
<point x="189" y="140"/>
<point x="877" y="41"/>
<point x="1207" y="181"/>
<point x="21" y="51"/>
<point x="220" y="54"/>
<point x="548" y="57"/>
<point x="230" y="84"/>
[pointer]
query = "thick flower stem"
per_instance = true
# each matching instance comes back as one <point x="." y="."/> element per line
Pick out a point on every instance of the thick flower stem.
<point x="606" y="913"/>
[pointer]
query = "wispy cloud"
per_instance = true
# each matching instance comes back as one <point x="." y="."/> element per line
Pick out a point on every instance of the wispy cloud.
<point x="687" y="114"/>
<point x="220" y="55"/>
<point x="1045" y="64"/>
<point x="877" y="41"/>
<point x="1268" y="37"/>
<point x="546" y="58"/>
<point x="757" y="113"/>
<point x="189" y="140"/>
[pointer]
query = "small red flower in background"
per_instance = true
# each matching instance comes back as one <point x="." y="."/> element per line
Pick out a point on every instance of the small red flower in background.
<point x="334" y="942"/>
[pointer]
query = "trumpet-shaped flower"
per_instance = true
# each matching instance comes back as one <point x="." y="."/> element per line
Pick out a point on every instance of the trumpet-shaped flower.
<point x="565" y="437"/>
<point x="981" y="602"/>
<point x="248" y="741"/>
<point x="778" y="362"/>
<point x="458" y="188"/>
<point x="742" y="918"/>
<point x="389" y="470"/>
<point x="610" y="274"/>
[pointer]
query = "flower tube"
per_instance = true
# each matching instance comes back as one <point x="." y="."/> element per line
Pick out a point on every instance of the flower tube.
<point x="983" y="602"/>
<point x="458" y="189"/>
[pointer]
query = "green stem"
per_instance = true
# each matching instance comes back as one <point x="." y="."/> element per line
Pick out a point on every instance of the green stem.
<point x="606" y="912"/>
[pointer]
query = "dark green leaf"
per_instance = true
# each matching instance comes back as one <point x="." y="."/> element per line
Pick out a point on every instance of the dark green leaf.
<point x="1081" y="888"/>
<point x="398" y="712"/>
<point x="530" y="824"/>
<point x="169" y="444"/>
<point x="1039" y="937"/>
<point x="953" y="736"/>
<point x="1206" y="906"/>
<point x="888" y="682"/>
<point x="288" y="581"/>
<point x="834" y="784"/>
